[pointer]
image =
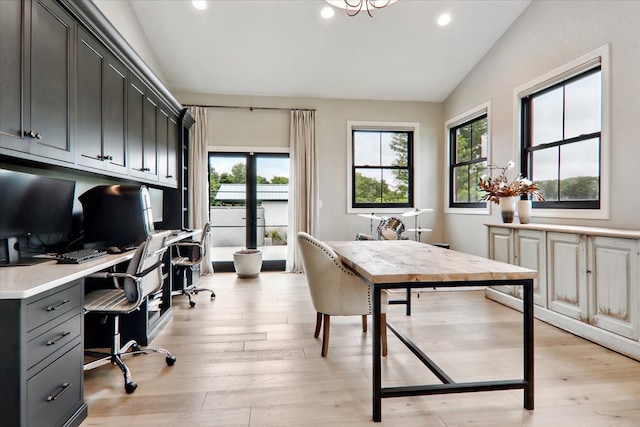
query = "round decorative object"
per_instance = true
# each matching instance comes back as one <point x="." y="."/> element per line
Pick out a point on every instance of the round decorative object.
<point x="248" y="262"/>
<point x="507" y="209"/>
<point x="524" y="211"/>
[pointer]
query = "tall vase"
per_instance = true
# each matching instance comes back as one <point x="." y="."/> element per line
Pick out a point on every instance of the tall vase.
<point x="507" y="208"/>
<point x="524" y="211"/>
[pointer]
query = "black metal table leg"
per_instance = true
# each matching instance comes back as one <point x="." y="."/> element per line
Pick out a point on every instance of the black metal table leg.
<point x="527" y="311"/>
<point x="408" y="301"/>
<point x="377" y="354"/>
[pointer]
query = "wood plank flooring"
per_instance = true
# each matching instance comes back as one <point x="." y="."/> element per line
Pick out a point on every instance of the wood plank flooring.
<point x="249" y="359"/>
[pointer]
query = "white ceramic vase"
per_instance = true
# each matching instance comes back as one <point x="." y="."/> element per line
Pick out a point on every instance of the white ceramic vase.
<point x="524" y="211"/>
<point x="507" y="208"/>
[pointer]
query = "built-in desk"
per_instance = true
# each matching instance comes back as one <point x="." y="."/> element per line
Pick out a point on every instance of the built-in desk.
<point x="41" y="344"/>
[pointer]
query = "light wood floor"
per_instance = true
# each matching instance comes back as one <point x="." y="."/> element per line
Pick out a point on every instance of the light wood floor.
<point x="249" y="359"/>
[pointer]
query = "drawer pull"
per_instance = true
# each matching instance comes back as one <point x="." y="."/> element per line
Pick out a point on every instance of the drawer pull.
<point x="62" y="335"/>
<point x="60" y="304"/>
<point x="63" y="388"/>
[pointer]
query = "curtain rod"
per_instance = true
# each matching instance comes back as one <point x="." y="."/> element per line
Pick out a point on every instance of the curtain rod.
<point x="249" y="108"/>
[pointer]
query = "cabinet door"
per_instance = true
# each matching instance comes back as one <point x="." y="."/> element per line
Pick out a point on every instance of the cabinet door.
<point x="531" y="252"/>
<point x="501" y="249"/>
<point x="91" y="58"/>
<point x="115" y="113"/>
<point x="150" y="138"/>
<point x="11" y="77"/>
<point x="613" y="282"/>
<point x="567" y="274"/>
<point x="167" y="147"/>
<point x="52" y="36"/>
<point x="135" y="106"/>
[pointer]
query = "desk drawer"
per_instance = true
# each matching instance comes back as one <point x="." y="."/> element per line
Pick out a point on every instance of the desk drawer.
<point x="48" y="308"/>
<point x="56" y="392"/>
<point x="64" y="330"/>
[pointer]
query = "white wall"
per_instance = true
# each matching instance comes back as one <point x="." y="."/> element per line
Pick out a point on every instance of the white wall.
<point x="123" y="18"/>
<point x="259" y="129"/>
<point x="547" y="35"/>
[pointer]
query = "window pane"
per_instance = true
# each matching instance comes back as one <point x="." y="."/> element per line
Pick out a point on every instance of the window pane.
<point x="395" y="148"/>
<point x="463" y="143"/>
<point x="479" y="139"/>
<point x="547" y="112"/>
<point x="366" y="148"/>
<point x="545" y="172"/>
<point x="583" y="106"/>
<point x="368" y="186"/>
<point x="580" y="170"/>
<point x="465" y="182"/>
<point x="381" y="186"/>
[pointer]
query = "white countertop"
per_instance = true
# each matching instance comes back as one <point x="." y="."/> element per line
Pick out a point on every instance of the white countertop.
<point x="26" y="281"/>
<point x="574" y="229"/>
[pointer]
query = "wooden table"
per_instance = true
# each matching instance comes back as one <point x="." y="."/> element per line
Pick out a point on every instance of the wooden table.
<point x="400" y="264"/>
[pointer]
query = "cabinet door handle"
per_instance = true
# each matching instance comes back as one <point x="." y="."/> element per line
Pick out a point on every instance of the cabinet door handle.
<point x="60" y="304"/>
<point x="108" y="157"/>
<point x="55" y="341"/>
<point x="64" y="387"/>
<point x="32" y="134"/>
<point x="169" y="176"/>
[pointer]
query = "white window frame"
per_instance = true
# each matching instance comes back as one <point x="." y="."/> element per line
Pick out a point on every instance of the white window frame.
<point x="475" y="112"/>
<point x="565" y="72"/>
<point x="384" y="126"/>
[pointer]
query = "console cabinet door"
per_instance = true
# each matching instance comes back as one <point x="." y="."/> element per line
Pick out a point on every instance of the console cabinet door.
<point x="51" y="48"/>
<point x="530" y="252"/>
<point x="567" y="274"/>
<point x="613" y="284"/>
<point x="501" y="249"/>
<point x="12" y="108"/>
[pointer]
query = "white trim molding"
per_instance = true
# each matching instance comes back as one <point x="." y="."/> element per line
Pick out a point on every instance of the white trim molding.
<point x="384" y="126"/>
<point x="477" y="111"/>
<point x="601" y="57"/>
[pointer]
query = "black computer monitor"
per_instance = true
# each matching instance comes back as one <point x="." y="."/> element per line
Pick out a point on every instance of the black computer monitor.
<point x="36" y="206"/>
<point x="116" y="215"/>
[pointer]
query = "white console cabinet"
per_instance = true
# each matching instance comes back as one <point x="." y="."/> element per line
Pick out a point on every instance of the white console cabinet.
<point x="588" y="279"/>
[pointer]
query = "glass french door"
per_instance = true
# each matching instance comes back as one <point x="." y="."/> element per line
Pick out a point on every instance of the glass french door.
<point x="249" y="206"/>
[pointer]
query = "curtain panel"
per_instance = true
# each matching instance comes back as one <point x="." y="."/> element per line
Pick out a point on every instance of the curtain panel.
<point x="303" y="186"/>
<point x="199" y="181"/>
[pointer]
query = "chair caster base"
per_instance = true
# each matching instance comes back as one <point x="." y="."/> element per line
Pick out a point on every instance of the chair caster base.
<point x="130" y="387"/>
<point x="170" y="360"/>
<point x="192" y="303"/>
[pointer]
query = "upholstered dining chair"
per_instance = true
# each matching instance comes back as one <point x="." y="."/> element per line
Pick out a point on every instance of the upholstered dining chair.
<point x="336" y="290"/>
<point x="186" y="263"/>
<point x="130" y="289"/>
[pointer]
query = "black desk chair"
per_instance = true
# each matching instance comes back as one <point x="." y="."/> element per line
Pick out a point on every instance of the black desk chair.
<point x="142" y="278"/>
<point x="186" y="263"/>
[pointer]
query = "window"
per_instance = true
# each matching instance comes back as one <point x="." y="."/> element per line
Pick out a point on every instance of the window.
<point x="562" y="141"/>
<point x="381" y="168"/>
<point x="467" y="162"/>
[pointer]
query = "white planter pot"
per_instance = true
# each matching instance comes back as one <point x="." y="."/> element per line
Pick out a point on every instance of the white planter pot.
<point x="247" y="263"/>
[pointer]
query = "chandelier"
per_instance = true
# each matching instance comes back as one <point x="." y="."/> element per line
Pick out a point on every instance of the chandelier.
<point x="353" y="7"/>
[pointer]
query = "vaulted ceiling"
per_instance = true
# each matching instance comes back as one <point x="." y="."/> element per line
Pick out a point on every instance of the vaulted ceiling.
<point x="285" y="48"/>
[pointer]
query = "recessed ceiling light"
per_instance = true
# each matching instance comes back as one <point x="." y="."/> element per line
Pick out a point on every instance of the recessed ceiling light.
<point x="444" y="19"/>
<point x="327" y="12"/>
<point x="199" y="4"/>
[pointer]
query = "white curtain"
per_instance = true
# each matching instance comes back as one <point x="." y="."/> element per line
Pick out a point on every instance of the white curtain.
<point x="199" y="182"/>
<point x="303" y="185"/>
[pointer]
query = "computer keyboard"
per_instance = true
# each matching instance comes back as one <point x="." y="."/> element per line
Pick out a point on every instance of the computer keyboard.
<point x="80" y="256"/>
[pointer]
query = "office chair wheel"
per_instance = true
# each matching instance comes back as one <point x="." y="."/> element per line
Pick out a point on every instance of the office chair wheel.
<point x="136" y="348"/>
<point x="213" y="296"/>
<point x="170" y="360"/>
<point x="130" y="387"/>
<point x="192" y="303"/>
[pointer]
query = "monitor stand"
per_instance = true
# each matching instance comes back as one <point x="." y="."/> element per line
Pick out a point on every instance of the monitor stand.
<point x="13" y="255"/>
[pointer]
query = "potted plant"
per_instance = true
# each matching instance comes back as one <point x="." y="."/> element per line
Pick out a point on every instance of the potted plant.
<point x="503" y="191"/>
<point x="247" y="262"/>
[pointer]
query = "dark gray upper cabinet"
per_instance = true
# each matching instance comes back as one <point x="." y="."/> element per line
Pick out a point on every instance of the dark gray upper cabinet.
<point x="142" y="131"/>
<point x="168" y="136"/>
<point x="51" y="49"/>
<point x="37" y="78"/>
<point x="150" y="137"/>
<point x="100" y="138"/>
<point x="11" y="77"/>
